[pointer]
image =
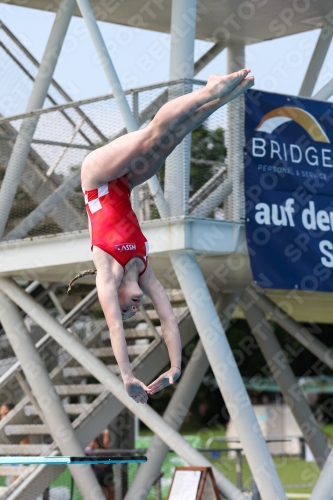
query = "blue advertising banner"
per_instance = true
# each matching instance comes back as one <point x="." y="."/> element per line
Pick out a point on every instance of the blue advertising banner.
<point x="289" y="191"/>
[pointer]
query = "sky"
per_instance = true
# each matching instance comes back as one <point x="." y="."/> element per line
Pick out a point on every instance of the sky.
<point x="141" y="57"/>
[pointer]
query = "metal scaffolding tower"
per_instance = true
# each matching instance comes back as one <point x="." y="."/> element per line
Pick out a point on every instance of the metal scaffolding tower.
<point x="201" y="260"/>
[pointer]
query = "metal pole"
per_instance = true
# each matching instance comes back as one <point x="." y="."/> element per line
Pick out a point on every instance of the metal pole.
<point x="213" y="200"/>
<point x="226" y="373"/>
<point x="174" y="414"/>
<point x="255" y="491"/>
<point x="177" y="166"/>
<point x="317" y="60"/>
<point x="325" y="92"/>
<point x="57" y="304"/>
<point x="43" y="79"/>
<point x="135" y="194"/>
<point x="323" y="489"/>
<point x="208" y="57"/>
<point x="299" y="332"/>
<point x="235" y="136"/>
<point x="145" y="413"/>
<point x="49" y="402"/>
<point x="239" y="470"/>
<point x="282" y="373"/>
<point x="158" y="489"/>
<point x="118" y="93"/>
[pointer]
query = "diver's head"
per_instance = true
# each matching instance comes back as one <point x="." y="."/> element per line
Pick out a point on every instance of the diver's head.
<point x="130" y="298"/>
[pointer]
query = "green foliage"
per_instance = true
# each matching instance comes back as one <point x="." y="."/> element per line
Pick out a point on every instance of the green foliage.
<point x="206" y="145"/>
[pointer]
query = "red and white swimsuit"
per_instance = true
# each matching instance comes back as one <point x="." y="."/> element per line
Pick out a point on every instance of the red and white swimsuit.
<point x="114" y="226"/>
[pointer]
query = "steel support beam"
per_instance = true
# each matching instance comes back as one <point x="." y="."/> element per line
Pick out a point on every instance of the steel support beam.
<point x="174" y="414"/>
<point x="213" y="200"/>
<point x="208" y="57"/>
<point x="282" y="373"/>
<point x="43" y="79"/>
<point x="323" y="489"/>
<point x="145" y="413"/>
<point x="49" y="402"/>
<point x="297" y="331"/>
<point x="325" y="92"/>
<point x="127" y="115"/>
<point x="227" y="374"/>
<point x="317" y="61"/>
<point x="235" y="136"/>
<point x="177" y="165"/>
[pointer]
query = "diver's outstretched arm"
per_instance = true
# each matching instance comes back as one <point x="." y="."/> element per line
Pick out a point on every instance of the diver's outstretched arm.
<point x="169" y="326"/>
<point x="107" y="283"/>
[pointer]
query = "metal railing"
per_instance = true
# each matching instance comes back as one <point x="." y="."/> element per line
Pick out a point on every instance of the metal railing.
<point x="59" y="147"/>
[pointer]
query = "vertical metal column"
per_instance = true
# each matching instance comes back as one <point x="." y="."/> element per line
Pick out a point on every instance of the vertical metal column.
<point x="235" y="138"/>
<point x="177" y="167"/>
<point x="118" y="93"/>
<point x="285" y="378"/>
<point x="49" y="402"/>
<point x="122" y="437"/>
<point x="239" y="469"/>
<point x="42" y="82"/>
<point x="174" y="414"/>
<point x="95" y="366"/>
<point x="227" y="374"/>
<point x="135" y="194"/>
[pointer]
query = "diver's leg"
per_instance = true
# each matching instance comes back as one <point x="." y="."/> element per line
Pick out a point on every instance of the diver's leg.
<point x="159" y="154"/>
<point x="129" y="152"/>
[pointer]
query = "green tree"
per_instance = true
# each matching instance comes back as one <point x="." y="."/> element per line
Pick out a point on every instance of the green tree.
<point x="206" y="145"/>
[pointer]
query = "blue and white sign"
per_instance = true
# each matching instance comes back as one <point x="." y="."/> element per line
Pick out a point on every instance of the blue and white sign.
<point x="289" y="191"/>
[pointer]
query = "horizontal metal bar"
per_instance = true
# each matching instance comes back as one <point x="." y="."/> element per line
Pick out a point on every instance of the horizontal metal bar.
<point x="81" y="102"/>
<point x="213" y="163"/>
<point x="50" y="143"/>
<point x="72" y="460"/>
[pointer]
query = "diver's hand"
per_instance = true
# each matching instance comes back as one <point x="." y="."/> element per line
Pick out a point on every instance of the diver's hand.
<point x="136" y="389"/>
<point x="164" y="380"/>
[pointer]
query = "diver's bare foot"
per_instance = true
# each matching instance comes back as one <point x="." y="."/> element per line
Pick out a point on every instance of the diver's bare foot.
<point x="219" y="86"/>
<point x="237" y="91"/>
<point x="136" y="389"/>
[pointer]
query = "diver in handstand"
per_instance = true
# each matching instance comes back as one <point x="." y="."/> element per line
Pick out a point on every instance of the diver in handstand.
<point x="120" y="250"/>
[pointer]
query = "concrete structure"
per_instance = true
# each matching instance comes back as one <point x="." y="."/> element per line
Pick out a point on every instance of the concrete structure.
<point x="208" y="257"/>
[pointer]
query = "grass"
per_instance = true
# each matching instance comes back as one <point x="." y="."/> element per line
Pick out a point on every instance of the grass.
<point x="296" y="475"/>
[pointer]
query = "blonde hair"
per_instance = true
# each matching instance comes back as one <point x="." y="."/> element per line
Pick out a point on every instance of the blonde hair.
<point x="82" y="274"/>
